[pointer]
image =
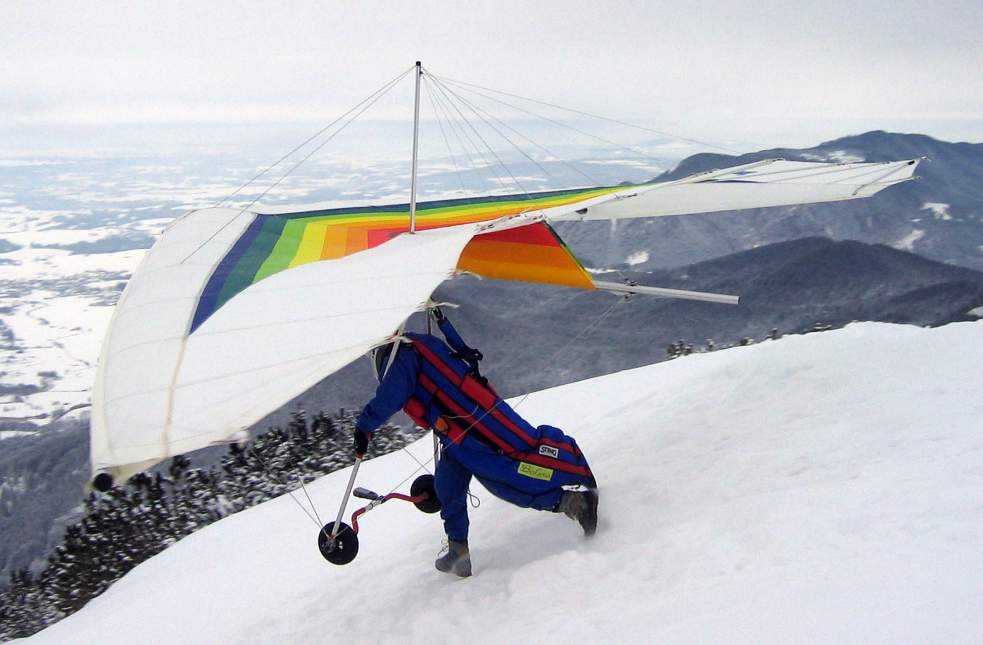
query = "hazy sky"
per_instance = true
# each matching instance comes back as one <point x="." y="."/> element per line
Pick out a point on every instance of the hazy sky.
<point x="774" y="72"/>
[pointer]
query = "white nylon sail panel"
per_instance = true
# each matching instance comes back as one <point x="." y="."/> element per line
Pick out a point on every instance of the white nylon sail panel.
<point x="141" y="348"/>
<point x="161" y="392"/>
<point x="773" y="182"/>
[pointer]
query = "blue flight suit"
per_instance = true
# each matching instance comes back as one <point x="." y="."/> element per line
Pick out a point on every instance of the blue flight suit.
<point x="498" y="472"/>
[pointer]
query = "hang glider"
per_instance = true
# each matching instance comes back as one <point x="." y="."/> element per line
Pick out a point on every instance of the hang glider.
<point x="233" y="313"/>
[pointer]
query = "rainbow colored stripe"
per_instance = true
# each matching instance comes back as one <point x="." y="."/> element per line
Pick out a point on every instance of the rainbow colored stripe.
<point x="532" y="253"/>
<point x="274" y="243"/>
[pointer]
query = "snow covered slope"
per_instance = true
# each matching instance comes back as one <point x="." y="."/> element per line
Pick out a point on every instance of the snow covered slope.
<point x="825" y="487"/>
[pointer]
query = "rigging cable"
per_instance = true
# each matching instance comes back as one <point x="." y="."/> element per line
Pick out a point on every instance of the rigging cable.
<point x="306" y="141"/>
<point x="443" y="134"/>
<point x="475" y="168"/>
<point x="378" y="95"/>
<point x="488" y="123"/>
<point x="314" y="518"/>
<point x="632" y="149"/>
<point x="458" y="131"/>
<point x="592" y="180"/>
<point x="596" y="116"/>
<point x="440" y="88"/>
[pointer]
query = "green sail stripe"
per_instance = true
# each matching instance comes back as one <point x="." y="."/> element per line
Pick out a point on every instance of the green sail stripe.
<point x="244" y="273"/>
<point x="285" y="249"/>
<point x="367" y="213"/>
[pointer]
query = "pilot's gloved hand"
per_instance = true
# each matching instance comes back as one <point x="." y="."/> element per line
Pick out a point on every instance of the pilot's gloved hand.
<point x="361" y="442"/>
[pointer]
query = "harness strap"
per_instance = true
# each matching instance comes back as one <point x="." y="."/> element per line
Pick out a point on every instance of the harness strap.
<point x="475" y="388"/>
<point x="452" y="409"/>
<point x="486" y="404"/>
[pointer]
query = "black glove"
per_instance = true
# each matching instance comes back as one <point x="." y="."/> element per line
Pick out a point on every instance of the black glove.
<point x="361" y="442"/>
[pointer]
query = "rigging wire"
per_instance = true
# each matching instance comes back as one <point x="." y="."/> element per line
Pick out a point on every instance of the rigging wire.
<point x="378" y="95"/>
<point x="471" y="107"/>
<point x="440" y="88"/>
<point x="314" y="518"/>
<point x="475" y="168"/>
<point x="592" y="180"/>
<point x="443" y="134"/>
<point x="458" y="131"/>
<point x="596" y="116"/>
<point x="632" y="149"/>
<point x="306" y="141"/>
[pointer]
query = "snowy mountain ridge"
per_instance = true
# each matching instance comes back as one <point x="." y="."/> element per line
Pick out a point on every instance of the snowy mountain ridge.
<point x="818" y="488"/>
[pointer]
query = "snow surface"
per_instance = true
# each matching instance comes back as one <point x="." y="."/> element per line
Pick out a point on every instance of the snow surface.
<point x="826" y="487"/>
<point x="907" y="243"/>
<point x="56" y="306"/>
<point x="939" y="210"/>
<point x="10" y="434"/>
<point x="839" y="156"/>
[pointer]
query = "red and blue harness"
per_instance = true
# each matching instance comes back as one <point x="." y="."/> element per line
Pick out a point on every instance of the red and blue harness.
<point x="439" y="386"/>
<point x="451" y="398"/>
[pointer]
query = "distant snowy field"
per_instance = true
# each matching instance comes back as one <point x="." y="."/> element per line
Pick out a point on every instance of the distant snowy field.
<point x="821" y="488"/>
<point x="73" y="229"/>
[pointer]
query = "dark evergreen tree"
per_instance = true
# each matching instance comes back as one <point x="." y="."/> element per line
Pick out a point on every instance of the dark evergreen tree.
<point x="153" y="510"/>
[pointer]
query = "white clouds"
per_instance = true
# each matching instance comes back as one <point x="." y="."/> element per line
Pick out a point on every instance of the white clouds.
<point x="758" y="70"/>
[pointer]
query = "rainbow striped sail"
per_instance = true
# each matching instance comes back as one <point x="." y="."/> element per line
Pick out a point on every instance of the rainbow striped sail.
<point x="274" y="243"/>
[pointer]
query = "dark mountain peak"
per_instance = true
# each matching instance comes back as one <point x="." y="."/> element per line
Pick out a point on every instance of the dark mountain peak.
<point x="761" y="255"/>
<point x="875" y="138"/>
<point x="875" y="145"/>
<point x="878" y="145"/>
<point x="813" y="264"/>
<point x="879" y="137"/>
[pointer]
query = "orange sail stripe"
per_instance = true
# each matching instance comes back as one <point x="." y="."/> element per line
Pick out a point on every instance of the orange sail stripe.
<point x="335" y="243"/>
<point x="532" y="253"/>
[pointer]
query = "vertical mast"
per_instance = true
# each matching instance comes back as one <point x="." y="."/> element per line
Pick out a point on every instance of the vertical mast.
<point x="416" y="136"/>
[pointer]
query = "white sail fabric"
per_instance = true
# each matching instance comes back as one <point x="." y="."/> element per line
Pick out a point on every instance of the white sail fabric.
<point x="161" y="392"/>
<point x="773" y="182"/>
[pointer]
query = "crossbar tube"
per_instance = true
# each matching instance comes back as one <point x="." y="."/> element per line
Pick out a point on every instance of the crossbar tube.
<point x="661" y="292"/>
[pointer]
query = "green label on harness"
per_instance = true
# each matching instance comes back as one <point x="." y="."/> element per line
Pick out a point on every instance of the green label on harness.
<point x="536" y="472"/>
